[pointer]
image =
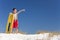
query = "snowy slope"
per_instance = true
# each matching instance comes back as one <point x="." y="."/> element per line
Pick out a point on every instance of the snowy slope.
<point x="18" y="36"/>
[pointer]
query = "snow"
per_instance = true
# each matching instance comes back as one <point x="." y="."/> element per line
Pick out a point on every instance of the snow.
<point x="18" y="36"/>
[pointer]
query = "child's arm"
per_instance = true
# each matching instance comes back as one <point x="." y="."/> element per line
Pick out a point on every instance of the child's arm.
<point x="22" y="10"/>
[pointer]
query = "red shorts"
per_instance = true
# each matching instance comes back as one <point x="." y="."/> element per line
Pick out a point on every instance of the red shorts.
<point x="15" y="24"/>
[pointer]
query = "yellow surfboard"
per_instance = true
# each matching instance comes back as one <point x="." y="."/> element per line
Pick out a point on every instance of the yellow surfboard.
<point x="9" y="23"/>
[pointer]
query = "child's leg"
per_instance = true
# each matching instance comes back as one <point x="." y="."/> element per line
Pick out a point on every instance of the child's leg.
<point x="13" y="31"/>
<point x="16" y="30"/>
<point x="16" y="26"/>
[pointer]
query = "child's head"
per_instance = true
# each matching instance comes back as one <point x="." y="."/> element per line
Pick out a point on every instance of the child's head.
<point x="14" y="10"/>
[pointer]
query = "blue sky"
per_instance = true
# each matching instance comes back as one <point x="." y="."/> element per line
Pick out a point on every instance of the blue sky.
<point x="39" y="15"/>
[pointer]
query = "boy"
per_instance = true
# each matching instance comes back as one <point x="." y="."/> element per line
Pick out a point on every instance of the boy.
<point x="15" y="22"/>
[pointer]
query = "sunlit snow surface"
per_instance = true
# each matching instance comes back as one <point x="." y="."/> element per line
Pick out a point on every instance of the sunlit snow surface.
<point x="18" y="36"/>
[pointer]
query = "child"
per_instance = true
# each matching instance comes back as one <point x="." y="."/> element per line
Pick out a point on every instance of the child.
<point x="15" y="22"/>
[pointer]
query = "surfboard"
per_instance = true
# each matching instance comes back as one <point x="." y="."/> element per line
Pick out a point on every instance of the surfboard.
<point x="9" y="24"/>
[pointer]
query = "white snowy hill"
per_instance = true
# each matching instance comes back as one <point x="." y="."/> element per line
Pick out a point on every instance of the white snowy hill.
<point x="40" y="36"/>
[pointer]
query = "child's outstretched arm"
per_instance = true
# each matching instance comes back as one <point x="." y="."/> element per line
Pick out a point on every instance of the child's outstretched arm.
<point x="22" y="10"/>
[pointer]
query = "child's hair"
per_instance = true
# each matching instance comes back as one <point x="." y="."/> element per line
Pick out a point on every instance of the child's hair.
<point x="13" y="9"/>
